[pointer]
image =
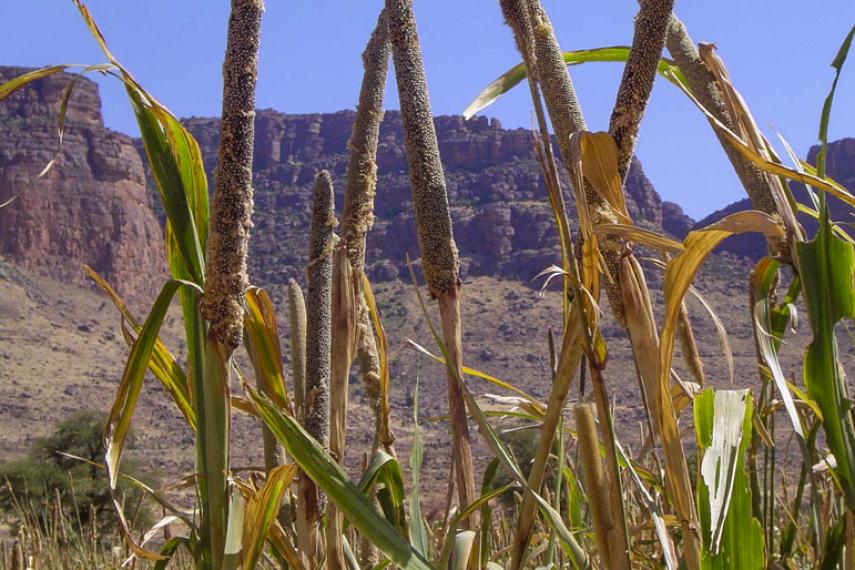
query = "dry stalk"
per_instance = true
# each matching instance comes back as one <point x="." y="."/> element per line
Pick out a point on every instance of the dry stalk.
<point x="231" y="210"/>
<point x="343" y="349"/>
<point x="651" y="29"/>
<point x="318" y="338"/>
<point x="436" y="240"/>
<point x="644" y="338"/>
<point x="616" y="530"/>
<point x="359" y="213"/>
<point x="566" y="118"/>
<point x="595" y="484"/>
<point x="517" y="15"/>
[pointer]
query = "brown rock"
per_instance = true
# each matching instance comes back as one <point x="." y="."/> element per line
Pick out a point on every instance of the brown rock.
<point x="91" y="208"/>
<point x="503" y="224"/>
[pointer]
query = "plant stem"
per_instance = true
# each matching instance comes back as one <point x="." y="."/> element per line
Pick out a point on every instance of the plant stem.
<point x="225" y="272"/>
<point x="436" y="240"/>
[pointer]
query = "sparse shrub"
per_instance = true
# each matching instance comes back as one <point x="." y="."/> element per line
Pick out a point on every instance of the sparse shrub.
<point x="46" y="476"/>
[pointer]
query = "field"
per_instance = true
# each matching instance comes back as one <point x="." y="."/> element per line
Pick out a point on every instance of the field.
<point x="433" y="421"/>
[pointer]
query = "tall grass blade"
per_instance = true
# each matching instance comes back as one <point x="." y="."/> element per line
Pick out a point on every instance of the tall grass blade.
<point x="261" y="510"/>
<point x="162" y="364"/>
<point x="130" y="386"/>
<point x="329" y="477"/>
<point x="517" y="74"/>
<point x="827" y="265"/>
<point x="494" y="442"/>
<point x="825" y="117"/>
<point x="418" y="530"/>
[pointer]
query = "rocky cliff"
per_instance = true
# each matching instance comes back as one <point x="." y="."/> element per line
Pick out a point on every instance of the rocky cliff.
<point x="91" y="208"/>
<point x="502" y="222"/>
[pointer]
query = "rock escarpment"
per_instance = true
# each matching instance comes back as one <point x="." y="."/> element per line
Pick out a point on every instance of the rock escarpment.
<point x="91" y="208"/>
<point x="502" y="221"/>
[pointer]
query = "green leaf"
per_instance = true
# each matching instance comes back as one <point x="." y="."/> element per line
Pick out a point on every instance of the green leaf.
<point x="176" y="164"/>
<point x="162" y="364"/>
<point x="386" y="471"/>
<point x="131" y="384"/>
<point x="732" y="537"/>
<point x="418" y="530"/>
<point x="825" y="118"/>
<point x="827" y="268"/>
<point x="170" y="547"/>
<point x="13" y="85"/>
<point x="486" y="516"/>
<point x="832" y="549"/>
<point x="516" y="74"/>
<point x="763" y="279"/>
<point x="328" y="476"/>
<point x="262" y="341"/>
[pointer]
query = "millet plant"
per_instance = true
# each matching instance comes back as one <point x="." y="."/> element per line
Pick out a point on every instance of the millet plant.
<point x="706" y="497"/>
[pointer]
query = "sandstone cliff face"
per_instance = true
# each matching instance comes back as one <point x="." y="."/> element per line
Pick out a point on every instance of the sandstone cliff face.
<point x="840" y="165"/>
<point x="91" y="208"/>
<point x="502" y="222"/>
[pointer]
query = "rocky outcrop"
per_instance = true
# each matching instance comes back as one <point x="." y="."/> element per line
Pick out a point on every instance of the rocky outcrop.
<point x="502" y="221"/>
<point x="91" y="208"/>
<point x="675" y="221"/>
<point x="840" y="165"/>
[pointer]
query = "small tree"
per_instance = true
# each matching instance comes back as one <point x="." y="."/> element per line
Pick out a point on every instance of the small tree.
<point x="46" y="474"/>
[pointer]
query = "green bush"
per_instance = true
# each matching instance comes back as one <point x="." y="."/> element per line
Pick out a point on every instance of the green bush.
<point x="47" y="477"/>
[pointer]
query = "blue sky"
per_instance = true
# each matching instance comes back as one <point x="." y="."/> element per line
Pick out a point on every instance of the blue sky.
<point x="778" y="53"/>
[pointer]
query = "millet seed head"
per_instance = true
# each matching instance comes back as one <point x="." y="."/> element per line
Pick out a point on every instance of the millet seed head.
<point x="231" y="209"/>
<point x="430" y="199"/>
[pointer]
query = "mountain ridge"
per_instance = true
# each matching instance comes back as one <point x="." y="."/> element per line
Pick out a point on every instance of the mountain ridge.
<point x="97" y="205"/>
